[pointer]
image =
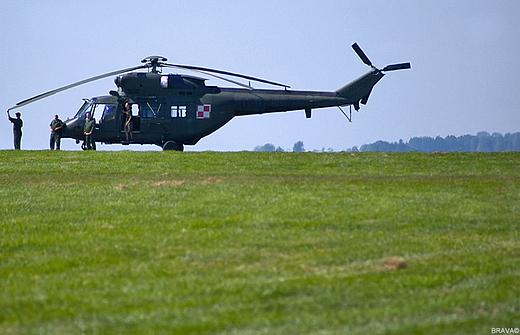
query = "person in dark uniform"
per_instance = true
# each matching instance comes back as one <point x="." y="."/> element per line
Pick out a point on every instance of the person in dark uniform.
<point x="56" y="129"/>
<point x="88" y="130"/>
<point x="17" y="129"/>
<point x="127" y="112"/>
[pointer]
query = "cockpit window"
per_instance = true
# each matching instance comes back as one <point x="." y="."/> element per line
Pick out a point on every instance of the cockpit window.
<point x="86" y="108"/>
<point x="98" y="111"/>
<point x="103" y="112"/>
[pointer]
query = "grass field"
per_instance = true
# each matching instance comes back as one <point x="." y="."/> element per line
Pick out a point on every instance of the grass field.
<point x="259" y="243"/>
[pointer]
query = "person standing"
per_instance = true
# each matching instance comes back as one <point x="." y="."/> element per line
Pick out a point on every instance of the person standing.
<point x="17" y="129"/>
<point x="88" y="130"/>
<point x="127" y="112"/>
<point x="56" y="129"/>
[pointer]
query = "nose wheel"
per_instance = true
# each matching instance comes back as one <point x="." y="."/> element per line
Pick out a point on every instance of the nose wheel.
<point x="84" y="146"/>
<point x="172" y="145"/>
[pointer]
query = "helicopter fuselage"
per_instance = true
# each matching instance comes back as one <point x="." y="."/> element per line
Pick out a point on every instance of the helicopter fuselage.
<point x="182" y="109"/>
<point x="173" y="110"/>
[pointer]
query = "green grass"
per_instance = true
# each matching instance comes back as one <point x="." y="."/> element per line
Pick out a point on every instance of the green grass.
<point x="259" y="243"/>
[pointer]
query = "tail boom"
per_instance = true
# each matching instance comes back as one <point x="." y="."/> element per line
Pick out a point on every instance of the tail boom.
<point x="359" y="89"/>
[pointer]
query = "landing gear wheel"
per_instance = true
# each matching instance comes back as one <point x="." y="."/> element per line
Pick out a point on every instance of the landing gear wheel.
<point x="172" y="145"/>
<point x="84" y="146"/>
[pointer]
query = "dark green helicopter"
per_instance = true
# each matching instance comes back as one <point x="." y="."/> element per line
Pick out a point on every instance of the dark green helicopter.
<point x="173" y="110"/>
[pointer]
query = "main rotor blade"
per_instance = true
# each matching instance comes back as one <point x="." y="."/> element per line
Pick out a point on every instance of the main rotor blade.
<point x="400" y="66"/>
<point x="361" y="54"/>
<point x="205" y="69"/>
<point x="81" y="82"/>
<point x="210" y="74"/>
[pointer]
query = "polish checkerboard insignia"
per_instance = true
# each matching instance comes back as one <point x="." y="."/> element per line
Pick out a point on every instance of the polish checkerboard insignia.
<point x="203" y="111"/>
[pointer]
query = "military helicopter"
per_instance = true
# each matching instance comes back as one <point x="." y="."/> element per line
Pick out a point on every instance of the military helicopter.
<point x="174" y="110"/>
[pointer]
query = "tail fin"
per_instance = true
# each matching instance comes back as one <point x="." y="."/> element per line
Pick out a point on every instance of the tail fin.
<point x="359" y="89"/>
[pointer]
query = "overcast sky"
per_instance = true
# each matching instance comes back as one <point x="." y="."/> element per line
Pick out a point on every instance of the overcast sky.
<point x="464" y="79"/>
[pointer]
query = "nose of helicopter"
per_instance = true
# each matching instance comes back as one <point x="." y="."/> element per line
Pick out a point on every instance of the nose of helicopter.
<point x="73" y="129"/>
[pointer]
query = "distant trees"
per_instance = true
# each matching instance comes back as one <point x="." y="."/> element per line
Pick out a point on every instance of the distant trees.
<point x="386" y="147"/>
<point x="268" y="147"/>
<point x="483" y="141"/>
<point x="298" y="147"/>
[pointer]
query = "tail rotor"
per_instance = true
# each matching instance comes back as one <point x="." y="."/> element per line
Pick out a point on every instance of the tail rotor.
<point x="391" y="67"/>
<point x="362" y="55"/>
<point x="400" y="66"/>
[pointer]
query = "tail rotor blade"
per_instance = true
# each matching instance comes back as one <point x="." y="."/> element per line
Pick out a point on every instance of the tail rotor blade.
<point x="400" y="66"/>
<point x="361" y="54"/>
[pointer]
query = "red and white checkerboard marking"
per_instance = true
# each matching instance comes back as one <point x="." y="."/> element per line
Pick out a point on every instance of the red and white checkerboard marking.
<point x="203" y="111"/>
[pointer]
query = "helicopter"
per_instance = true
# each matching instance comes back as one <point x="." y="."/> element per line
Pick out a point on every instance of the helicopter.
<point x="174" y="110"/>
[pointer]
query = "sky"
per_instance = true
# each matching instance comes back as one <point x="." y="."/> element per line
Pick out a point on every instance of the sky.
<point x="464" y="77"/>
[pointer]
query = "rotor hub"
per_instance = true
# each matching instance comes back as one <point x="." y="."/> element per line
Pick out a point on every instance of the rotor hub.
<point x="154" y="62"/>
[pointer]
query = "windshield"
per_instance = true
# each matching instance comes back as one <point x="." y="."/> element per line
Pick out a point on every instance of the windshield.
<point x="86" y="108"/>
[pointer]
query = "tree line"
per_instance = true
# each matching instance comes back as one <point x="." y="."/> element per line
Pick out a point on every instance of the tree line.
<point x="297" y="147"/>
<point x="483" y="141"/>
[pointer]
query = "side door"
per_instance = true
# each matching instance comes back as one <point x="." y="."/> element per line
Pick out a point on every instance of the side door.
<point x="180" y="119"/>
<point x="152" y="114"/>
<point x="106" y="120"/>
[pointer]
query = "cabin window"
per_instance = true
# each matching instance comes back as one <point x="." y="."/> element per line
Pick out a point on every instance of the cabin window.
<point x="178" y="111"/>
<point x="150" y="110"/>
<point x="134" y="109"/>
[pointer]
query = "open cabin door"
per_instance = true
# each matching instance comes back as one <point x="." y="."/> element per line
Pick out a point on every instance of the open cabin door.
<point x="135" y="121"/>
